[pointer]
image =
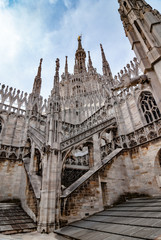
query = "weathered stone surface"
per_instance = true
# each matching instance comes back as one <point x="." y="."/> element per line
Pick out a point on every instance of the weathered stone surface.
<point x="126" y="222"/>
<point x="95" y="142"/>
<point x="13" y="219"/>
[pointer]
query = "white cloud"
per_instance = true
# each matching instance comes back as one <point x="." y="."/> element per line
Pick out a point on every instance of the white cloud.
<point x="68" y="3"/>
<point x="31" y="30"/>
<point x="4" y="3"/>
<point x="53" y="1"/>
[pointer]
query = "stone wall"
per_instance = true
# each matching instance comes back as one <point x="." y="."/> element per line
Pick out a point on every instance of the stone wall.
<point x="12" y="129"/>
<point x="143" y="168"/>
<point x="83" y="202"/>
<point x="15" y="186"/>
<point x="11" y="172"/>
<point x="135" y="171"/>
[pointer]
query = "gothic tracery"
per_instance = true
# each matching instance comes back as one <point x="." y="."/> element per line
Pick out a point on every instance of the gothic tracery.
<point x="149" y="107"/>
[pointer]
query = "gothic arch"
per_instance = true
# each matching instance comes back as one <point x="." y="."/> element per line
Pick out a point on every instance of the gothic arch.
<point x="27" y="153"/>
<point x="37" y="162"/>
<point x="148" y="107"/>
<point x="3" y="154"/>
<point x="126" y="6"/>
<point x="13" y="156"/>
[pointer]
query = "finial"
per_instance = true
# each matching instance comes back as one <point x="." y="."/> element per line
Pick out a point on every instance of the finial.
<point x="102" y="49"/>
<point x="56" y="78"/>
<point x="79" y="42"/>
<point x="37" y="82"/>
<point x="105" y="65"/>
<point x="39" y="68"/>
<point x="89" y="60"/>
<point x="57" y="66"/>
<point x="66" y="65"/>
<point x="103" y="54"/>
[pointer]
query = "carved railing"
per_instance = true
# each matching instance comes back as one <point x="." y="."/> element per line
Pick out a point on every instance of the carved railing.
<point x="131" y="70"/>
<point x="100" y="116"/>
<point x="81" y="162"/>
<point x="13" y="100"/>
<point x="106" y="150"/>
<point x="142" y="135"/>
<point x="8" y="108"/>
<point x="86" y="133"/>
<point x="13" y="152"/>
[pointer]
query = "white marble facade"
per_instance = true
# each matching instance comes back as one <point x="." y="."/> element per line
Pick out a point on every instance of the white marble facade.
<point x="54" y="143"/>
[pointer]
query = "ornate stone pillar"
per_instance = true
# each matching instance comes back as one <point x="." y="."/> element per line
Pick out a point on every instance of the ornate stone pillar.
<point x="96" y="149"/>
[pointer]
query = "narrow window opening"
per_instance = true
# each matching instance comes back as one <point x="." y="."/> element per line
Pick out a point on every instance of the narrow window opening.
<point x="137" y="27"/>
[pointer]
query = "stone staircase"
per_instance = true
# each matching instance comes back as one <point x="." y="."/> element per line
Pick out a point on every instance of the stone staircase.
<point x="13" y="219"/>
<point x="138" y="218"/>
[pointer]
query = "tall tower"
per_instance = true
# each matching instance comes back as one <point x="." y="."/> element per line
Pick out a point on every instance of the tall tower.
<point x="80" y="57"/>
<point x="142" y="26"/>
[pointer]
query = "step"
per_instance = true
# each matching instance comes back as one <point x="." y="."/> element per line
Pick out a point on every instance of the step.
<point x="134" y="219"/>
<point x="13" y="219"/>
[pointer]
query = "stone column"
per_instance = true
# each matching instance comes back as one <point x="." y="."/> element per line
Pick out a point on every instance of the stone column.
<point x="49" y="204"/>
<point x="31" y="167"/>
<point x="91" y="160"/>
<point x="96" y="149"/>
<point x="24" y="131"/>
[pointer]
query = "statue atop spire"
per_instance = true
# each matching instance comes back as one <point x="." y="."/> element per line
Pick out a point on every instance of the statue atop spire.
<point x="37" y="82"/>
<point x="79" y="42"/>
<point x="80" y="57"/>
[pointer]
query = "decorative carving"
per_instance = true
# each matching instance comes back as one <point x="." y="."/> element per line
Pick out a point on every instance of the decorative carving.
<point x="89" y="132"/>
<point x="142" y="139"/>
<point x="46" y="149"/>
<point x="19" y="102"/>
<point x="152" y="135"/>
<point x="125" y="20"/>
<point x="149" y="107"/>
<point x="132" y="143"/>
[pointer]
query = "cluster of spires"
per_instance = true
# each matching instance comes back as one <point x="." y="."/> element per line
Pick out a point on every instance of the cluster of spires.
<point x="132" y="68"/>
<point x="81" y="55"/>
<point x="78" y="68"/>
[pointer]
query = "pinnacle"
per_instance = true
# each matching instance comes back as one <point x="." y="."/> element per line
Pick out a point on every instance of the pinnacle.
<point x="39" y="68"/>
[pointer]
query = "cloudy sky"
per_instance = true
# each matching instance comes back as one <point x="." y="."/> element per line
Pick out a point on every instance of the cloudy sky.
<point x="31" y="29"/>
